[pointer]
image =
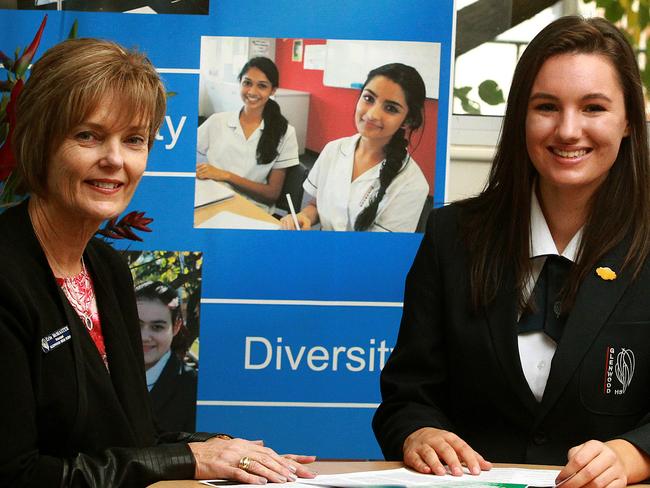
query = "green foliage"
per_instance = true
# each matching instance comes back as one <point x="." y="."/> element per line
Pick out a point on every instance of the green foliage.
<point x="490" y="92"/>
<point x="469" y="106"/>
<point x="614" y="11"/>
<point x="633" y="18"/>
<point x="178" y="269"/>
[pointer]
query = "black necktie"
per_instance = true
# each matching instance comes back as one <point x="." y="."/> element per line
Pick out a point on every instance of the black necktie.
<point x="547" y="312"/>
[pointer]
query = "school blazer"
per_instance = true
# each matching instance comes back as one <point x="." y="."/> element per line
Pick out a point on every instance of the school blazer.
<point x="173" y="397"/>
<point x="460" y="371"/>
<point x="66" y="421"/>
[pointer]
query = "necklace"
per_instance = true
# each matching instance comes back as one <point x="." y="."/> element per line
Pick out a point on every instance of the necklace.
<point x="79" y="291"/>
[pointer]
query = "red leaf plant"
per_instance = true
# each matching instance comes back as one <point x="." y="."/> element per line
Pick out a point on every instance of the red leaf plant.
<point x="114" y="229"/>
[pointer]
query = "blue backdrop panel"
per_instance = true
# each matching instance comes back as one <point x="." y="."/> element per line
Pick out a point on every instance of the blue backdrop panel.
<point x="333" y="432"/>
<point x="325" y="412"/>
<point x="283" y="353"/>
<point x="175" y="147"/>
<point x="278" y="365"/>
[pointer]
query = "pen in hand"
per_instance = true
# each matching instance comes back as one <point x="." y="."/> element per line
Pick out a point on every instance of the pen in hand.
<point x="293" y="212"/>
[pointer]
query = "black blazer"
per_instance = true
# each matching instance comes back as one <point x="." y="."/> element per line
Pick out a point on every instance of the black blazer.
<point x="65" y="420"/>
<point x="173" y="396"/>
<point x="460" y="371"/>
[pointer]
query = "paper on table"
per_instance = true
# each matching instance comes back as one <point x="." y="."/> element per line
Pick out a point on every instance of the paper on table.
<point x="230" y="220"/>
<point x="210" y="191"/>
<point x="398" y="478"/>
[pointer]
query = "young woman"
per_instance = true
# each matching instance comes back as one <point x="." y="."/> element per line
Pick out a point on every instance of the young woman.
<point x="171" y="382"/>
<point x="250" y="149"/>
<point x="369" y="181"/>
<point x="525" y="336"/>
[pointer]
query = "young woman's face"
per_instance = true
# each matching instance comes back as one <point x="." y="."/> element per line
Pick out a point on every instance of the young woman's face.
<point x="255" y="89"/>
<point x="156" y="329"/>
<point x="381" y="109"/>
<point x="576" y="121"/>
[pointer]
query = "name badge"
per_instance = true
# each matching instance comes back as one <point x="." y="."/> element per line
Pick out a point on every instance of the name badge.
<point x="55" y="339"/>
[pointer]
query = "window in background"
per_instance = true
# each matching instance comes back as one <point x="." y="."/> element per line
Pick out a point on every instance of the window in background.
<point x="492" y="34"/>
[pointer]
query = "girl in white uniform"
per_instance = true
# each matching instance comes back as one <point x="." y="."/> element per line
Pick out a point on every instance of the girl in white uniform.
<point x="250" y="149"/>
<point x="369" y="181"/>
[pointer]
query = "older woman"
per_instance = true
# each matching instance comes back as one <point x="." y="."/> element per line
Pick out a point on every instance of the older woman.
<point x="75" y="409"/>
<point x="526" y="329"/>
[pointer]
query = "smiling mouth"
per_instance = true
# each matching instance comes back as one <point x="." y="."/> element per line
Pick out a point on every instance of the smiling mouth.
<point x="570" y="154"/>
<point x="372" y="124"/>
<point x="105" y="185"/>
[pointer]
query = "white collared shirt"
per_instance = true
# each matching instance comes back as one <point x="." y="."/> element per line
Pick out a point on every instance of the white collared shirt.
<point x="154" y="372"/>
<point x="536" y="349"/>
<point x="340" y="200"/>
<point x="221" y="142"/>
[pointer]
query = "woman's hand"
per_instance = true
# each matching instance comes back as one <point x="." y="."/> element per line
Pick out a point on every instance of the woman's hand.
<point x="205" y="171"/>
<point x="220" y="458"/>
<point x="427" y="450"/>
<point x="603" y="464"/>
<point x="286" y="222"/>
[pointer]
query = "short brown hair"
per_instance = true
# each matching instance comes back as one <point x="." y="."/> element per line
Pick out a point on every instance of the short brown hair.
<point x="65" y="87"/>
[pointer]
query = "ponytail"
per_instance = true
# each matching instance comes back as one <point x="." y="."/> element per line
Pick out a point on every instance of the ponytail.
<point x="395" y="152"/>
<point x="275" y="126"/>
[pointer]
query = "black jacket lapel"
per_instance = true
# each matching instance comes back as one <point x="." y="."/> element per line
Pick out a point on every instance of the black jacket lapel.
<point x="502" y="320"/>
<point x="595" y="302"/>
<point x="129" y="383"/>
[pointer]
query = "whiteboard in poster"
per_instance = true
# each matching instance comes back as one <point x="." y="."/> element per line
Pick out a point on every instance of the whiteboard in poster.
<point x="348" y="62"/>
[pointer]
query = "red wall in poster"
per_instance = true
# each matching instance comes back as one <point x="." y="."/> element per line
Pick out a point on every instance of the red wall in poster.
<point x="331" y="110"/>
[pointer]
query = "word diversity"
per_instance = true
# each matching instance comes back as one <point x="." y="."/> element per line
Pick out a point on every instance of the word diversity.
<point x="261" y="353"/>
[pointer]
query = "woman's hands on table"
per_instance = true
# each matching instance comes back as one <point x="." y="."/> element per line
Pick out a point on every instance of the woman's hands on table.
<point x="428" y="450"/>
<point x="611" y="464"/>
<point x="247" y="462"/>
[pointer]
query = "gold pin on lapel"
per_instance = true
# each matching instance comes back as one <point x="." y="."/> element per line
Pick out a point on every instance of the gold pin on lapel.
<point x="606" y="273"/>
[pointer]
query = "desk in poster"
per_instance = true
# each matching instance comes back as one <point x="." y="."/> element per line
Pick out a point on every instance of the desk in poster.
<point x="237" y="205"/>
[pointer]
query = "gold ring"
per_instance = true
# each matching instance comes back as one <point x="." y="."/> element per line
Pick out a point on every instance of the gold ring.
<point x="245" y="463"/>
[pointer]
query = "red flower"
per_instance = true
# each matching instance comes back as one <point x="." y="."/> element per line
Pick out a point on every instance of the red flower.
<point x="7" y="159"/>
<point x="23" y="62"/>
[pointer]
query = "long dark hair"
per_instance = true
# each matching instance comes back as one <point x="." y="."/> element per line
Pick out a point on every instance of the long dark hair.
<point x="496" y="224"/>
<point x="157" y="291"/>
<point x="395" y="152"/>
<point x="275" y="124"/>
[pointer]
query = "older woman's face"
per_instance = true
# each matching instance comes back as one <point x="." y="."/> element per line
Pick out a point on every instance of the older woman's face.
<point x="95" y="170"/>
